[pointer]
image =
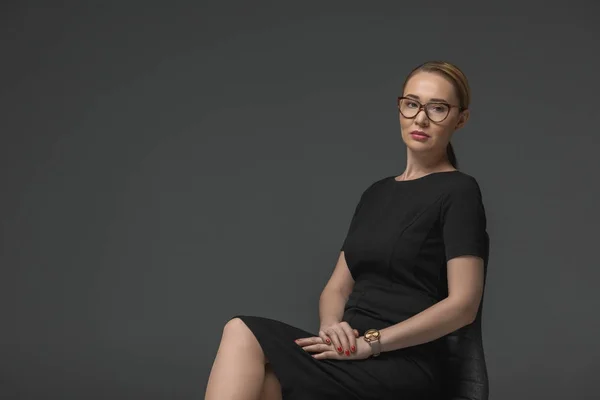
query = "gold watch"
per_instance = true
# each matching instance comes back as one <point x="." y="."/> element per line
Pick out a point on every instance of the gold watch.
<point x="372" y="337"/>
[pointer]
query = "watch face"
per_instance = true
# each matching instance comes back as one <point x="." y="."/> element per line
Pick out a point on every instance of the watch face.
<point x="372" y="334"/>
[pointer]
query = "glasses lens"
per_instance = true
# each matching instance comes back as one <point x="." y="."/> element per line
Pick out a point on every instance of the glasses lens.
<point x="437" y="111"/>
<point x="408" y="108"/>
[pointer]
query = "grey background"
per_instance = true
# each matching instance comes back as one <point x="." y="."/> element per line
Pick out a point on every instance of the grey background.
<point x="165" y="166"/>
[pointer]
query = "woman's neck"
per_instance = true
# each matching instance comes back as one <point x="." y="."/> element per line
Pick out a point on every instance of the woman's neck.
<point x="417" y="167"/>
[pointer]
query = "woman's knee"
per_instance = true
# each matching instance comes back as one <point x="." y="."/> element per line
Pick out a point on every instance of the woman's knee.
<point x="237" y="331"/>
<point x="237" y="335"/>
<point x="235" y="326"/>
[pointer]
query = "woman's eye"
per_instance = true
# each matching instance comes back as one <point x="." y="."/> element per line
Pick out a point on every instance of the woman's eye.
<point x="439" y="108"/>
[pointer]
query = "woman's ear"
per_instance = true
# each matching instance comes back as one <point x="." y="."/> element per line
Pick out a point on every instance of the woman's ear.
<point x="462" y="119"/>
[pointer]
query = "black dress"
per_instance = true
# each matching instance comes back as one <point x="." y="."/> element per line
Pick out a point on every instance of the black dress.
<point x="400" y="237"/>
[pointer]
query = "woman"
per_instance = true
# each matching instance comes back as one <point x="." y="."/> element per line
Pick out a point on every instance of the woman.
<point x="410" y="271"/>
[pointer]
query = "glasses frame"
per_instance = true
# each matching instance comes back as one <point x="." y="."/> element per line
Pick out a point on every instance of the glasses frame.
<point x="424" y="108"/>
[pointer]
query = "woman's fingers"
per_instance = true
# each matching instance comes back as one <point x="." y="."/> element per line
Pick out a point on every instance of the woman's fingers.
<point x="308" y="341"/>
<point x="351" y="338"/>
<point x="336" y="340"/>
<point x="313" y="344"/>
<point x="318" y="348"/>
<point x="328" y="355"/>
<point x="344" y="342"/>
<point x="324" y="337"/>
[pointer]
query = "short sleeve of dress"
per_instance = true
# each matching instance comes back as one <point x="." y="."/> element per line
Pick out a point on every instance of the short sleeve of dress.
<point x="463" y="221"/>
<point x="353" y="220"/>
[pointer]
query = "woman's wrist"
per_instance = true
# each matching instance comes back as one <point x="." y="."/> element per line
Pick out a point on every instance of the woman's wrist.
<point x="330" y="321"/>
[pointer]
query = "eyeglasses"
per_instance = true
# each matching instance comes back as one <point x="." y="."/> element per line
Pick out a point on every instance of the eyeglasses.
<point x="436" y="111"/>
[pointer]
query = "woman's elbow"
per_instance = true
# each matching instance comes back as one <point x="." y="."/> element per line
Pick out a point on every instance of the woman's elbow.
<point x="466" y="310"/>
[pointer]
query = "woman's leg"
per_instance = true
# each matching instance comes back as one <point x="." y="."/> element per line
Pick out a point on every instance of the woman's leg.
<point x="271" y="387"/>
<point x="238" y="372"/>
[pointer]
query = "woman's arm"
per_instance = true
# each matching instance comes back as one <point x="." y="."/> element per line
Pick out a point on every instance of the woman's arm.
<point x="335" y="294"/>
<point x="465" y="288"/>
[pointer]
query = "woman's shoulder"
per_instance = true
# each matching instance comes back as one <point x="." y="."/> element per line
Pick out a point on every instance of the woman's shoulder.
<point x="461" y="178"/>
<point x="460" y="184"/>
<point x="378" y="183"/>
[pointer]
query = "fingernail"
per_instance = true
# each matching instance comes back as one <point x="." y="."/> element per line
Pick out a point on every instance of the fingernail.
<point x="339" y="349"/>
<point x="347" y="352"/>
<point x="328" y="341"/>
<point x="353" y="349"/>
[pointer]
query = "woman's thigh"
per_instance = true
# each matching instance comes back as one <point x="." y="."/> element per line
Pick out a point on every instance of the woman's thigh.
<point x="271" y="387"/>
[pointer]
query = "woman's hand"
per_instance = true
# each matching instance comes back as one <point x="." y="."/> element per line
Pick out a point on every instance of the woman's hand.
<point x="338" y="336"/>
<point x="323" y="351"/>
<point x="341" y="336"/>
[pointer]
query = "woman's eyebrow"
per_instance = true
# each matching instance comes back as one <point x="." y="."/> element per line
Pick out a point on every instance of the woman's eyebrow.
<point x="414" y="96"/>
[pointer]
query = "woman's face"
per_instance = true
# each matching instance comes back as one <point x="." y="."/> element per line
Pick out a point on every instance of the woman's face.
<point x="426" y="87"/>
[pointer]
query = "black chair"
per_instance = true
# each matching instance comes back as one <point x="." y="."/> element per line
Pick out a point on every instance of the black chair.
<point x="466" y="376"/>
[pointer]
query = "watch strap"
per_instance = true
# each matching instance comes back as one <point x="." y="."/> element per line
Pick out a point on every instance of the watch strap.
<point x="375" y="347"/>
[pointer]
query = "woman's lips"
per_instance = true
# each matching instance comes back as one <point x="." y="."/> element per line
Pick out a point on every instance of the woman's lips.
<point x="418" y="135"/>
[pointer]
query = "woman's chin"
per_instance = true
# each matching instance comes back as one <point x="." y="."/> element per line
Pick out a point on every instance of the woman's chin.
<point x="418" y="146"/>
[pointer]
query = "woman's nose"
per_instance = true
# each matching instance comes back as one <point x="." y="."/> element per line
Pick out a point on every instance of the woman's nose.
<point x="421" y="118"/>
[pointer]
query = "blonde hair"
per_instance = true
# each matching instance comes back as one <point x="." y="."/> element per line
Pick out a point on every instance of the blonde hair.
<point x="458" y="80"/>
